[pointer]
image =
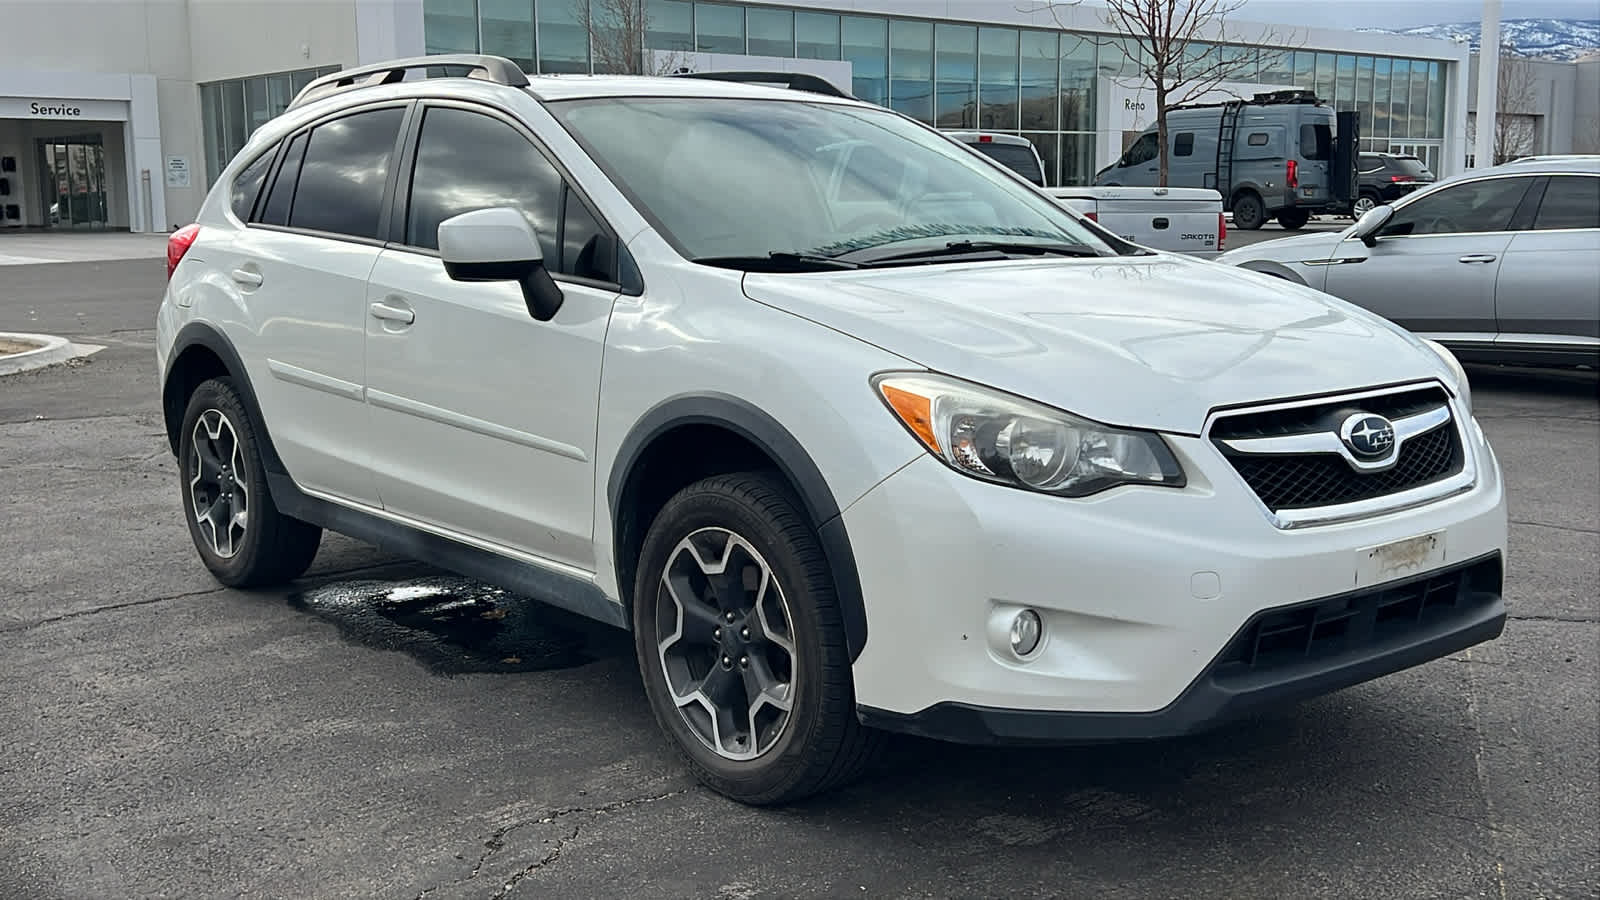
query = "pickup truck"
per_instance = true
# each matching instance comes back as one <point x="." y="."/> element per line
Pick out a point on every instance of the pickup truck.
<point x="1177" y="220"/>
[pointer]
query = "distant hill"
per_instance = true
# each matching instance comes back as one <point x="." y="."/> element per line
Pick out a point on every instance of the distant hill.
<point x="1563" y="39"/>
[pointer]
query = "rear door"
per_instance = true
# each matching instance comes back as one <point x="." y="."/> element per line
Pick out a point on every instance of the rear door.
<point x="303" y="265"/>
<point x="483" y="419"/>
<point x="1434" y="268"/>
<point x="1548" y="289"/>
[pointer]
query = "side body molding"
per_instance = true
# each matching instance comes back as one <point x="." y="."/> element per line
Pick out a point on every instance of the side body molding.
<point x="766" y="433"/>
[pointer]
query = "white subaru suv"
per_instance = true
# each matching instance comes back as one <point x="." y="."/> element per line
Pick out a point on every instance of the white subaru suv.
<point x="853" y="428"/>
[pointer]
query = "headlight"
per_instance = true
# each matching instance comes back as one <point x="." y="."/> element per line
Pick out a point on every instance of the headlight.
<point x="1463" y="386"/>
<point x="1000" y="438"/>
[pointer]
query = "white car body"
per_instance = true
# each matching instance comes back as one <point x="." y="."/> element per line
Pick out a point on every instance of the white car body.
<point x="1174" y="220"/>
<point x="412" y="409"/>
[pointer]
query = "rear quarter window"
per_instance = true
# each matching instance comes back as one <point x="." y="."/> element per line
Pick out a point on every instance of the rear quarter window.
<point x="247" y="186"/>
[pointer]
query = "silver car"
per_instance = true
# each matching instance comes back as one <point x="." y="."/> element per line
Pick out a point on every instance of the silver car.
<point x="1499" y="264"/>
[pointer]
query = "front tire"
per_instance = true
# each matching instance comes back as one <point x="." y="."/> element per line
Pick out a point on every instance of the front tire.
<point x="741" y="645"/>
<point x="240" y="534"/>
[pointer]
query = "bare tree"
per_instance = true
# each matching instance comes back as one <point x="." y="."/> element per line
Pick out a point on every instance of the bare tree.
<point x="1178" y="47"/>
<point x="1516" y="91"/>
<point x="617" y="31"/>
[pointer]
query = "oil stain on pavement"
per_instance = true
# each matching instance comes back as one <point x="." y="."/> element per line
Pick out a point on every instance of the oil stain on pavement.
<point x="453" y="625"/>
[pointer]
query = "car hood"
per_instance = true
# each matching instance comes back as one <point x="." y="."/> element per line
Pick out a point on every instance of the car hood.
<point x="1317" y="245"/>
<point x="1147" y="342"/>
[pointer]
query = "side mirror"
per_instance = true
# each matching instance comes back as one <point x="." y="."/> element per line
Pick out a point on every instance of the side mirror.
<point x="498" y="244"/>
<point x="1368" y="226"/>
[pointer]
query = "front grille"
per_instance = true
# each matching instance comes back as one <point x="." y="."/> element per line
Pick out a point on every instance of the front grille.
<point x="1324" y="479"/>
<point x="1325" y="630"/>
<point x="1313" y="480"/>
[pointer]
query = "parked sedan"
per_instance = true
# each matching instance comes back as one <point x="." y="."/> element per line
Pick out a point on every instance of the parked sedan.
<point x="1498" y="264"/>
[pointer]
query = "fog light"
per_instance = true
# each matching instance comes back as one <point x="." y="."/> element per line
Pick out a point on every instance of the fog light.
<point x="1026" y="629"/>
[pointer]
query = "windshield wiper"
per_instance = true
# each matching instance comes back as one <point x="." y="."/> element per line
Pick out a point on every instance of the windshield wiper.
<point x="778" y="261"/>
<point x="957" y="248"/>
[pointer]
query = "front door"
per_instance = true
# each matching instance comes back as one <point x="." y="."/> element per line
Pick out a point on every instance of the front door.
<point x="482" y="418"/>
<point x="1434" y="267"/>
<point x="73" y="180"/>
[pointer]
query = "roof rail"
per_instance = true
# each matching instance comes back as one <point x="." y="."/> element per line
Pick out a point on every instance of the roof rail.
<point x="496" y="69"/>
<point x="795" y="81"/>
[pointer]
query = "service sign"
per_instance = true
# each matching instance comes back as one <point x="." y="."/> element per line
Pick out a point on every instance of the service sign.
<point x="63" y="109"/>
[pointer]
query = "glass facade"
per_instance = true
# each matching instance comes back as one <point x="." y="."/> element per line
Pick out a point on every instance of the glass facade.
<point x="231" y="111"/>
<point x="1042" y="84"/>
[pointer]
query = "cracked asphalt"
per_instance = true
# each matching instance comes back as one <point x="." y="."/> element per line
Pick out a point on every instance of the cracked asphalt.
<point x="381" y="729"/>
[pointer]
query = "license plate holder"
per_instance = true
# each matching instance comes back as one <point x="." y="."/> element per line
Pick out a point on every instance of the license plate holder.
<point x="1398" y="559"/>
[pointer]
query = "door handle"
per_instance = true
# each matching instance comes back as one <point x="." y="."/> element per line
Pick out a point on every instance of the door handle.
<point x="247" y="277"/>
<point x="392" y="313"/>
<point x="1478" y="258"/>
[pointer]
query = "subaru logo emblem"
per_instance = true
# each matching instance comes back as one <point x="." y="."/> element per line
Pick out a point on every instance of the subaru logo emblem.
<point x="1368" y="436"/>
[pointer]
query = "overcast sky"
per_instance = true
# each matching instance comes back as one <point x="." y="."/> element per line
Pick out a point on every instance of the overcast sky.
<point x="1401" y="14"/>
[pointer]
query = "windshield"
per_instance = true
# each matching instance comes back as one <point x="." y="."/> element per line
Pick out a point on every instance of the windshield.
<point x="732" y="179"/>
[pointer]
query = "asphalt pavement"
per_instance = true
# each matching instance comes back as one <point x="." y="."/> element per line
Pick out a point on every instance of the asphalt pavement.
<point x="381" y="729"/>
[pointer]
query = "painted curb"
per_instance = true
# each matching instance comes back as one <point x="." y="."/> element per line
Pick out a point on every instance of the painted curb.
<point x="52" y="350"/>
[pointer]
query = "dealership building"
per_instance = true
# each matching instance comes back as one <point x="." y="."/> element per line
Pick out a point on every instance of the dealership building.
<point x="119" y="115"/>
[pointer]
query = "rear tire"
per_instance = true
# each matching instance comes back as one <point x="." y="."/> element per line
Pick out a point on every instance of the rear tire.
<point x="240" y="534"/>
<point x="1293" y="219"/>
<point x="1363" y="205"/>
<point x="1249" y="213"/>
<point x="722" y="652"/>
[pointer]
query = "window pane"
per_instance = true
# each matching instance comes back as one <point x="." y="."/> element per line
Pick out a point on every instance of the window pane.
<point x="1277" y="67"/>
<point x="1305" y="70"/>
<point x="1077" y="88"/>
<point x="450" y="26"/>
<point x="278" y="95"/>
<point x="719" y="28"/>
<point x="468" y="161"/>
<point x="1571" y="201"/>
<point x="957" y="50"/>
<point x="816" y="35"/>
<point x="563" y="41"/>
<point x="1183" y="143"/>
<point x="1467" y="208"/>
<point x="1344" y="90"/>
<point x="211" y="116"/>
<point x="1047" y="145"/>
<point x="233" y="118"/>
<point x="1364" y="93"/>
<point x="1324" y="76"/>
<point x="1038" y="69"/>
<point x="997" y="78"/>
<point x="670" y="26"/>
<point x="586" y="249"/>
<point x="771" y="31"/>
<point x="276" y="210"/>
<point x="615" y="42"/>
<point x="1419" y="99"/>
<point x="1243" y="64"/>
<point x="1381" y="81"/>
<point x="1077" y="159"/>
<point x="508" y="30"/>
<point x="1435" y="101"/>
<point x="911" y="68"/>
<point x="866" y="46"/>
<point x="1399" y="92"/>
<point x="248" y="185"/>
<point x="341" y="181"/>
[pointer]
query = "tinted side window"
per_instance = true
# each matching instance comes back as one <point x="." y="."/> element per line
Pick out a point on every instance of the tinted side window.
<point x="275" y="211"/>
<point x="1258" y="139"/>
<point x="586" y="248"/>
<point x="248" y="185"/>
<point x="1316" y="141"/>
<point x="468" y="161"/>
<point x="1464" y="209"/>
<point x="1570" y="201"/>
<point x="1183" y="144"/>
<point x="342" y="178"/>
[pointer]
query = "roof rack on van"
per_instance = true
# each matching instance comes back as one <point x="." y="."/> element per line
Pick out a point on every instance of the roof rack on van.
<point x="794" y="81"/>
<point x="1268" y="98"/>
<point x="496" y="69"/>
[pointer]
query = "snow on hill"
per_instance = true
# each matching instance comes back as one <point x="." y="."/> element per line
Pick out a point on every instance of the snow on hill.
<point x="1564" y="39"/>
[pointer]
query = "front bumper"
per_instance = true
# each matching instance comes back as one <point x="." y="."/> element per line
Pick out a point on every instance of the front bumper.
<point x="1144" y="594"/>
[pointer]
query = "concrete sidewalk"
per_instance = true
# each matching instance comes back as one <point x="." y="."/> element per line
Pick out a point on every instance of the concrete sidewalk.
<point x="34" y="247"/>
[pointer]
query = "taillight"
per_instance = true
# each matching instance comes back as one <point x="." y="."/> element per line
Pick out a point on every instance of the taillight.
<point x="1400" y="179"/>
<point x="1293" y="174"/>
<point x="179" y="244"/>
<point x="1092" y="216"/>
<point x="1222" y="231"/>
